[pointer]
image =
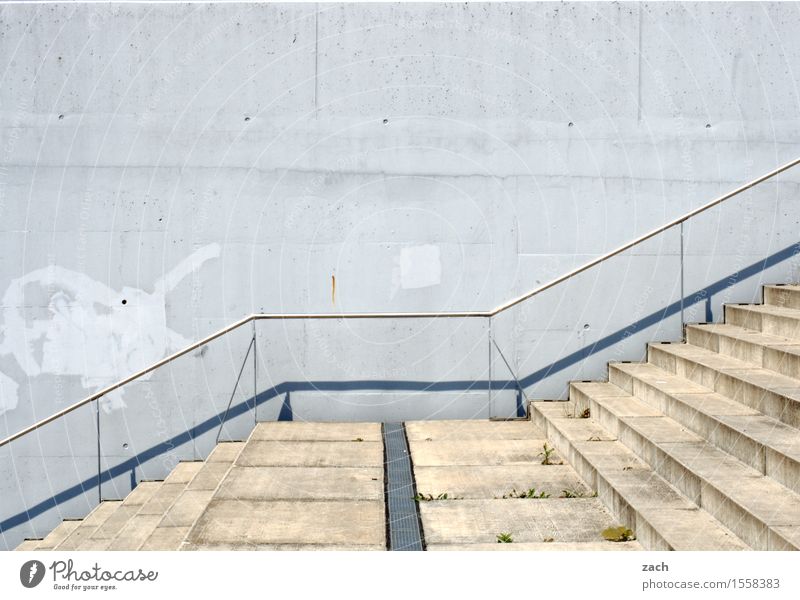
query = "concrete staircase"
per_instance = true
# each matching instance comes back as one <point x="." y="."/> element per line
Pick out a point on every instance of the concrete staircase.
<point x="699" y="448"/>
<point x="476" y="480"/>
<point x="696" y="449"/>
<point x="290" y="486"/>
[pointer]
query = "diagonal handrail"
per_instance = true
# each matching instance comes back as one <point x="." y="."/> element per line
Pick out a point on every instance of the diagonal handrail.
<point x="408" y="315"/>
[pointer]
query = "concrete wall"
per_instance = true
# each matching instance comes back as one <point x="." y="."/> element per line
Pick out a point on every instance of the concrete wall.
<point x="166" y="169"/>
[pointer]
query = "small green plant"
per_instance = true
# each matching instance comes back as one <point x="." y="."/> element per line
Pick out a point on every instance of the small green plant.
<point x="431" y="497"/>
<point x="530" y="493"/>
<point x="547" y="454"/>
<point x="576" y="493"/>
<point x="574" y="414"/>
<point x="504" y="538"/>
<point x="618" y="534"/>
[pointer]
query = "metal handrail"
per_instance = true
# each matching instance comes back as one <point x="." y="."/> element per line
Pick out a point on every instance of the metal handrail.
<point x="407" y="315"/>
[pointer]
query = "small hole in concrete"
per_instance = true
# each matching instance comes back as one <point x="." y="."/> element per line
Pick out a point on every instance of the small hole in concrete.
<point x="125" y="446"/>
<point x="385" y="121"/>
<point x="570" y="124"/>
<point x="708" y="125"/>
<point x="124" y="301"/>
<point x="247" y="118"/>
<point x="60" y="117"/>
<point x="586" y="326"/>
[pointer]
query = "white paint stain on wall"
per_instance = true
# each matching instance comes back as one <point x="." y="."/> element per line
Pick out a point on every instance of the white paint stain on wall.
<point x="417" y="267"/>
<point x="60" y="322"/>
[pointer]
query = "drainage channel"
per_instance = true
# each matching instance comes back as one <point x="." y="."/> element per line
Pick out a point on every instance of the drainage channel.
<point x="404" y="531"/>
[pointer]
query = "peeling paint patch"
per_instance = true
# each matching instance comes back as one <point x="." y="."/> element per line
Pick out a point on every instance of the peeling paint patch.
<point x="417" y="267"/>
<point x="8" y="393"/>
<point x="78" y="326"/>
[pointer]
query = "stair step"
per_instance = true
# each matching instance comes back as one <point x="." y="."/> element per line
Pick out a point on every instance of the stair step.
<point x="177" y="514"/>
<point x="148" y="499"/>
<point x="772" y="352"/>
<point x="476" y="482"/>
<point x="59" y="534"/>
<point x="87" y="526"/>
<point x="540" y="546"/>
<point x="764" y="443"/>
<point x="757" y="509"/>
<point x="766" y="318"/>
<point x="28" y="544"/>
<point x="766" y="391"/>
<point x="471" y="521"/>
<point x="787" y="296"/>
<point x="661" y="517"/>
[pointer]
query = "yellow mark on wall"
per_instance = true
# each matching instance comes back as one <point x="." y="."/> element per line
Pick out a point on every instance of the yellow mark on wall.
<point x="333" y="289"/>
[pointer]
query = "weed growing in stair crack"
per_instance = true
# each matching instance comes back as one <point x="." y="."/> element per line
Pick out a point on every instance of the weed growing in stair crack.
<point x="576" y="493"/>
<point x="547" y="454"/>
<point x="358" y="439"/>
<point x="618" y="534"/>
<point x="504" y="538"/>
<point x="432" y="498"/>
<point x="530" y="493"/>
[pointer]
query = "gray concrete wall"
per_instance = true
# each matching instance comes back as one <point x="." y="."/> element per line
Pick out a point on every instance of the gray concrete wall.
<point x="166" y="169"/>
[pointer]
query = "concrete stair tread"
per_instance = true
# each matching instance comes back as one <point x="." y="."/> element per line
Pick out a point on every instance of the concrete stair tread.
<point x="179" y="510"/>
<point x="104" y="534"/>
<point x="225" y="452"/>
<point x="758" y="376"/>
<point x="474" y="429"/>
<point x="297" y="483"/>
<point x="538" y="546"/>
<point x="59" y="534"/>
<point x="527" y="520"/>
<point x="477" y="452"/>
<point x="311" y="454"/>
<point x="730" y="480"/>
<point x="142" y="493"/>
<point x="87" y="526"/>
<point x="767" y="318"/>
<point x="712" y="403"/>
<point x="165" y="538"/>
<point x="316" y="432"/>
<point x="746" y="335"/>
<point x="135" y="532"/>
<point x="163" y="498"/>
<point x="255" y="547"/>
<point x="186" y="508"/>
<point x="254" y="522"/>
<point x="761" y="441"/>
<point x="769" y="309"/>
<point x="782" y="295"/>
<point x="485" y="481"/>
<point x="645" y="499"/>
<point x="28" y="544"/>
<point x="184" y="472"/>
<point x="692" y="529"/>
<point x="766" y="431"/>
<point x="144" y="505"/>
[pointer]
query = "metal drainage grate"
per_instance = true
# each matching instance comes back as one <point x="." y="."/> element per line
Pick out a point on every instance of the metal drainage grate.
<point x="405" y="531"/>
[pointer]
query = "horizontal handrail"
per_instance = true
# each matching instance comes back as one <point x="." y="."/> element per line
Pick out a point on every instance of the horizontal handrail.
<point x="405" y="315"/>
